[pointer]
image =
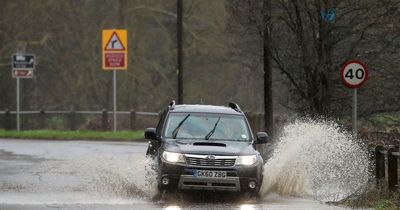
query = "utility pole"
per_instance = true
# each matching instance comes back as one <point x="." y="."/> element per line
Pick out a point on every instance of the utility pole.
<point x="179" y="31"/>
<point x="268" y="98"/>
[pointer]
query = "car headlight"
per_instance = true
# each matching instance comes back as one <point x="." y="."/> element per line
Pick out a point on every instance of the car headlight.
<point x="173" y="157"/>
<point x="246" y="160"/>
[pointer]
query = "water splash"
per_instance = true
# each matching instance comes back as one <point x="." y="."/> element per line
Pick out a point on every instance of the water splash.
<point x="126" y="179"/>
<point x="103" y="179"/>
<point x="316" y="158"/>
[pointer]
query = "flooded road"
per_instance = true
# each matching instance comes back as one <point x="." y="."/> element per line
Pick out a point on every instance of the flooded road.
<point x="36" y="174"/>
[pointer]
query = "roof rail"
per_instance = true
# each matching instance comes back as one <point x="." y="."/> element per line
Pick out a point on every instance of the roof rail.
<point x="171" y="105"/>
<point x="235" y="106"/>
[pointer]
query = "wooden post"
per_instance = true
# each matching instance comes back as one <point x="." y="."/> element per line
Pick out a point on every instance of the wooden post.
<point x="393" y="169"/>
<point x="72" y="120"/>
<point x="133" y="119"/>
<point x="379" y="164"/>
<point x="7" y="120"/>
<point x="371" y="155"/>
<point x="104" y="120"/>
<point x="42" y="119"/>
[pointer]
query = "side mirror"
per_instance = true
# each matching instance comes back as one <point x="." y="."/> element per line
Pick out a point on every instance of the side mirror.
<point x="150" y="133"/>
<point x="262" y="138"/>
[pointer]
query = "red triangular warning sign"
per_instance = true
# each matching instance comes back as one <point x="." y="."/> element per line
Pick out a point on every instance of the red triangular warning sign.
<point x="114" y="44"/>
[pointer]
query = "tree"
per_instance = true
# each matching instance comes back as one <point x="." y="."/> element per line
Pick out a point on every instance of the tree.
<point x="309" y="51"/>
<point x="255" y="16"/>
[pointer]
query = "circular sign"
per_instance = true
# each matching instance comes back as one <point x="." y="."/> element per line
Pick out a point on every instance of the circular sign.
<point x="354" y="73"/>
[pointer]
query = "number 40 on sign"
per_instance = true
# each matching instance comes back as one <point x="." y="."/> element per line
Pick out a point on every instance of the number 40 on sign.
<point x="354" y="74"/>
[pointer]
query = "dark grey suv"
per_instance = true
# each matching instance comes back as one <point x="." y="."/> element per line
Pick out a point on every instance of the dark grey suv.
<point x="204" y="147"/>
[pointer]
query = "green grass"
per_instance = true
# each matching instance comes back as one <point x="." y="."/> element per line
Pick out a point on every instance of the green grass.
<point x="377" y="198"/>
<point x="385" y="205"/>
<point x="385" y="122"/>
<point x="74" y="135"/>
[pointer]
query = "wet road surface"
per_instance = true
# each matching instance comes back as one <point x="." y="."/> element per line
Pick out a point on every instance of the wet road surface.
<point x="36" y="174"/>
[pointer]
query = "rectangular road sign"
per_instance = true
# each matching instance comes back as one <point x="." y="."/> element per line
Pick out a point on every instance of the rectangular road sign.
<point x="23" y="61"/>
<point x="22" y="73"/>
<point x="114" y="49"/>
<point x="114" y="60"/>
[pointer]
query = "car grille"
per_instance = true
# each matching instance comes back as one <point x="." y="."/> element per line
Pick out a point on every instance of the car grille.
<point x="221" y="162"/>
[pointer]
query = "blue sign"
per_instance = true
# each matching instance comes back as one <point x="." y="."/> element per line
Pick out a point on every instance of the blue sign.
<point x="329" y="15"/>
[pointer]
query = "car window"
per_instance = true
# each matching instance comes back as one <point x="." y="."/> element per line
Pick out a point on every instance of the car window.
<point x="199" y="126"/>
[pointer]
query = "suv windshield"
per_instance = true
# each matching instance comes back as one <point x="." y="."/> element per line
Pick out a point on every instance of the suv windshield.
<point x="207" y="126"/>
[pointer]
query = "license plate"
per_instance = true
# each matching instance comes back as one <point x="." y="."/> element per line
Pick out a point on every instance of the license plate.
<point x="209" y="174"/>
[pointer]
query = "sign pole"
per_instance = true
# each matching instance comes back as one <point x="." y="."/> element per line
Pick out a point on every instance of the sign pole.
<point x="114" y="57"/>
<point x="353" y="74"/>
<point x="355" y="112"/>
<point x="18" y="105"/>
<point x="22" y="66"/>
<point x="115" y="99"/>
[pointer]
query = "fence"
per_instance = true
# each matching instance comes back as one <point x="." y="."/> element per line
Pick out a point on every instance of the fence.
<point x="94" y="120"/>
<point x="386" y="161"/>
<point x="74" y="120"/>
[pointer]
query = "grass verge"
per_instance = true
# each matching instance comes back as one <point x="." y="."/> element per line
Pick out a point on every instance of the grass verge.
<point x="74" y="135"/>
<point x="384" y="204"/>
<point x="375" y="197"/>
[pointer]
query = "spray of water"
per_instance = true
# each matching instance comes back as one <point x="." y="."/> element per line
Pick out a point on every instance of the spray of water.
<point x="312" y="158"/>
<point x="124" y="179"/>
<point x="103" y="179"/>
<point x="316" y="158"/>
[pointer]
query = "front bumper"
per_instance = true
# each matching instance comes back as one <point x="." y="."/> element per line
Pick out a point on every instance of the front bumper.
<point x="189" y="182"/>
<point x="238" y="177"/>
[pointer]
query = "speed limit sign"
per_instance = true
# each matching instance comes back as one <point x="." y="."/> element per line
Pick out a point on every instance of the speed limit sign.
<point x="354" y="74"/>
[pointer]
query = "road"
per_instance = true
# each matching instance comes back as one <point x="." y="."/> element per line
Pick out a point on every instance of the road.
<point x="36" y="174"/>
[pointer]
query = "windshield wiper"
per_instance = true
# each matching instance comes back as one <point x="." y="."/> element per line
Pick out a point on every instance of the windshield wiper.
<point x="175" y="132"/>
<point x="212" y="131"/>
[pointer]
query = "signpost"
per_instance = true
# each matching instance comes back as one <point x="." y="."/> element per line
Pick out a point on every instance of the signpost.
<point x="22" y="67"/>
<point x="354" y="73"/>
<point x="114" y="57"/>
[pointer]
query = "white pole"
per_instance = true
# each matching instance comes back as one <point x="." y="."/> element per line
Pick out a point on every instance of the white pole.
<point x="355" y="112"/>
<point x="115" y="99"/>
<point x="18" y="106"/>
